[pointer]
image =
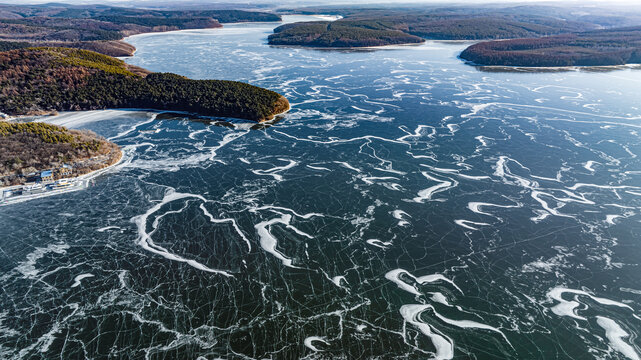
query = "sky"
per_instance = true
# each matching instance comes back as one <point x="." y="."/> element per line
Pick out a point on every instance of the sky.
<point x="245" y="2"/>
<point x="300" y="3"/>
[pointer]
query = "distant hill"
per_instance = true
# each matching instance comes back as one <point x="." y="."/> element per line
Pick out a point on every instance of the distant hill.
<point x="588" y="14"/>
<point x="593" y="48"/>
<point x="100" y="28"/>
<point x="375" y="27"/>
<point x="94" y="11"/>
<point x="41" y="80"/>
<point x="487" y="26"/>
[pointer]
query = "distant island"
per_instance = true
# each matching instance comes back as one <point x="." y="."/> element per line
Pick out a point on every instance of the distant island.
<point x="378" y="27"/>
<point x="617" y="46"/>
<point x="102" y="28"/>
<point x="340" y="34"/>
<point x="37" y="81"/>
<point x="42" y="152"/>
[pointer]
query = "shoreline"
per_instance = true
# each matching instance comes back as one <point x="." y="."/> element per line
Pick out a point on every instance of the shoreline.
<point x="274" y="116"/>
<point x="86" y="176"/>
<point x="43" y="117"/>
<point x="351" y="48"/>
<point x="517" y="68"/>
<point x="81" y="182"/>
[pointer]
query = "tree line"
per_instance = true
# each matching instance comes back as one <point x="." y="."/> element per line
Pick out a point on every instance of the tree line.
<point x="593" y="48"/>
<point x="31" y="147"/>
<point x="34" y="80"/>
<point x="340" y="34"/>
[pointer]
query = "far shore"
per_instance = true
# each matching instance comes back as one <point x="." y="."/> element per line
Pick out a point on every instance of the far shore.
<point x="282" y="22"/>
<point x="534" y="69"/>
<point x="352" y="48"/>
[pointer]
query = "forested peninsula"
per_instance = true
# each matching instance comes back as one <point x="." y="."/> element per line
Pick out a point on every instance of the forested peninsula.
<point x="43" y="80"/>
<point x="102" y="28"/>
<point x="28" y="148"/>
<point x="617" y="46"/>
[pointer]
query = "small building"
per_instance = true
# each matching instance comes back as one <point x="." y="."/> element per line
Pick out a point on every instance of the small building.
<point x="46" y="176"/>
<point x="65" y="170"/>
<point x="33" y="177"/>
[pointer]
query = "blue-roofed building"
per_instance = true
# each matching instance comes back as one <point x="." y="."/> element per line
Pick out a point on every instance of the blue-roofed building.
<point x="46" y="175"/>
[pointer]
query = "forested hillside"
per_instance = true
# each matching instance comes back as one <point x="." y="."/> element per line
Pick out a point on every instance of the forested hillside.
<point x="37" y="80"/>
<point x="340" y="34"/>
<point x="31" y="147"/>
<point x="490" y="26"/>
<point x="593" y="48"/>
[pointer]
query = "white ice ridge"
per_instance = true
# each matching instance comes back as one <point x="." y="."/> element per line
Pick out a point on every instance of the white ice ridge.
<point x="567" y="307"/>
<point x="309" y="342"/>
<point x="457" y="172"/>
<point x="77" y="279"/>
<point x="477" y="207"/>
<point x="230" y="220"/>
<point x="213" y="151"/>
<point x="277" y="209"/>
<point x="476" y="108"/>
<point x="440" y="298"/>
<point x="458" y="323"/>
<point x="444" y="346"/>
<point x="426" y="194"/>
<point x="379" y="243"/>
<point x="277" y="169"/>
<point x="400" y="216"/>
<point x="337" y="280"/>
<point x="417" y="133"/>
<point x="501" y="170"/>
<point x="588" y="165"/>
<point x="369" y="180"/>
<point x="395" y="277"/>
<point x="481" y="139"/>
<point x="610" y="219"/>
<point x="538" y="194"/>
<point x="340" y="141"/>
<point x="318" y="168"/>
<point x="268" y="242"/>
<point x="615" y="335"/>
<point x="135" y="127"/>
<point x="147" y="243"/>
<point x="347" y="165"/>
<point x="466" y="224"/>
<point x="103" y="229"/>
